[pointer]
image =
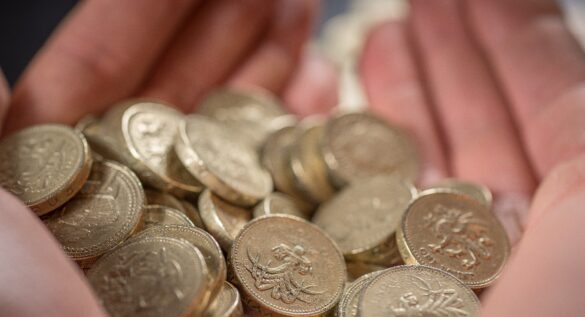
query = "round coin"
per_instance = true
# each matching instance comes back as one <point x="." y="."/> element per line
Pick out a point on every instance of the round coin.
<point x="154" y="197"/>
<point x="193" y="214"/>
<point x="227" y="167"/>
<point x="288" y="266"/>
<point x="44" y="165"/>
<point x="348" y="305"/>
<point x="151" y="276"/>
<point x="416" y="291"/>
<point x="226" y="304"/>
<point x="474" y="190"/>
<point x="361" y="145"/>
<point x="157" y="215"/>
<point x="278" y="203"/>
<point x="455" y="233"/>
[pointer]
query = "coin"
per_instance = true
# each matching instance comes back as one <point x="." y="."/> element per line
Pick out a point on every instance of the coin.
<point x="363" y="218"/>
<point x="455" y="233"/>
<point x="361" y="145"/>
<point x="226" y="304"/>
<point x="222" y="220"/>
<point x="288" y="266"/>
<point x="193" y="214"/>
<point x="278" y="203"/>
<point x="44" y="166"/>
<point x="105" y="212"/>
<point x="416" y="291"/>
<point x="348" y="305"/>
<point x="227" y="167"/>
<point x="157" y="215"/>
<point x="356" y="270"/>
<point x="151" y="276"/>
<point x="205" y="243"/>
<point x="154" y="197"/>
<point x="474" y="190"/>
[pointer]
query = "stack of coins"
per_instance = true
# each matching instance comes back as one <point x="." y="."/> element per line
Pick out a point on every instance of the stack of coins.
<point x="245" y="209"/>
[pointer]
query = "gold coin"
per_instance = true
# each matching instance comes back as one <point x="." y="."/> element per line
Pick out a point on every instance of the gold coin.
<point x="356" y="270"/>
<point x="193" y="214"/>
<point x="227" y="167"/>
<point x="205" y="243"/>
<point x="288" y="266"/>
<point x="154" y="197"/>
<point x="151" y="276"/>
<point x="361" y="145"/>
<point x="157" y="215"/>
<point x="348" y="305"/>
<point x="44" y="165"/>
<point x="474" y="190"/>
<point x="222" y="220"/>
<point x="278" y="203"/>
<point x="250" y="114"/>
<point x="363" y="218"/>
<point x="105" y="212"/>
<point x="416" y="291"/>
<point x="456" y="234"/>
<point x="226" y="304"/>
<point x="86" y="122"/>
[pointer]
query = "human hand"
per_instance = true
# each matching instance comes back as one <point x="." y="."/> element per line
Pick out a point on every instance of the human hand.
<point x="493" y="91"/>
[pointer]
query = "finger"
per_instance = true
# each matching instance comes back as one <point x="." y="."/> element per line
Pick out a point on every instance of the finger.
<point x="542" y="69"/>
<point x="313" y="87"/>
<point x="4" y="97"/>
<point x="272" y="64"/>
<point x="35" y="270"/>
<point x="552" y="248"/>
<point x="214" y="40"/>
<point x="98" y="55"/>
<point x="395" y="91"/>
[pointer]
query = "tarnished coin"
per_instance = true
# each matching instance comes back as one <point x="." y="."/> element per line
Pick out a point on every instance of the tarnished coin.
<point x="205" y="243"/>
<point x="250" y="114"/>
<point x="223" y="220"/>
<point x="193" y="214"/>
<point x="477" y="191"/>
<point x="157" y="215"/>
<point x="278" y="203"/>
<point x="416" y="291"/>
<point x="361" y="145"/>
<point x="455" y="233"/>
<point x="227" y="167"/>
<point x="151" y="277"/>
<point x="288" y="266"/>
<point x="105" y="212"/>
<point x="364" y="217"/>
<point x="226" y="304"/>
<point x="44" y="165"/>
<point x="154" y="197"/>
<point x="348" y="305"/>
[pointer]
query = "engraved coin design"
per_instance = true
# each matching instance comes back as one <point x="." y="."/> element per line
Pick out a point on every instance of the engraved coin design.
<point x="288" y="266"/>
<point x="226" y="304"/>
<point x="156" y="215"/>
<point x="152" y="277"/>
<point x="348" y="305"/>
<point x="360" y="145"/>
<point x="278" y="203"/>
<point x="105" y="212"/>
<point x="416" y="291"/>
<point x="366" y="214"/>
<point x="474" y="190"/>
<point x="457" y="234"/>
<point x="44" y="166"/>
<point x="227" y="167"/>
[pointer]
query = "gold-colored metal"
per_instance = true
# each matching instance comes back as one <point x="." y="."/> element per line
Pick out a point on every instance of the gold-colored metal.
<point x="416" y="291"/>
<point x="356" y="270"/>
<point x="44" y="165"/>
<point x="193" y="214"/>
<point x="279" y="203"/>
<point x="154" y="197"/>
<point x="455" y="233"/>
<point x="105" y="212"/>
<point x="223" y="220"/>
<point x="288" y="266"/>
<point x="348" y="305"/>
<point x="152" y="276"/>
<point x="227" y="303"/>
<point x="226" y="166"/>
<point x="157" y="215"/>
<point x="474" y="190"/>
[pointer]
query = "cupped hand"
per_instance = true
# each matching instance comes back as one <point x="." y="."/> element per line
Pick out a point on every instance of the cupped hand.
<point x="494" y="92"/>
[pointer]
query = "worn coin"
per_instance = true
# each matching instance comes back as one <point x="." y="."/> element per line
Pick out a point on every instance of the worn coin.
<point x="416" y="291"/>
<point x="227" y="167"/>
<point x="474" y="190"/>
<point x="226" y="304"/>
<point x="279" y="203"/>
<point x="348" y="305"/>
<point x="157" y="215"/>
<point x="105" y="212"/>
<point x="288" y="266"/>
<point x="151" y="276"/>
<point x="455" y="233"/>
<point x="44" y="166"/>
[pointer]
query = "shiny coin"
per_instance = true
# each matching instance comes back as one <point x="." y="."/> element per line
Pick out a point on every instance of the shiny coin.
<point x="44" y="165"/>
<point x="153" y="276"/>
<point x="226" y="304"/>
<point x="278" y="203"/>
<point x="364" y="217"/>
<point x="193" y="214"/>
<point x="474" y="190"/>
<point x="348" y="305"/>
<point x="105" y="212"/>
<point x="223" y="220"/>
<point x="416" y="291"/>
<point x="157" y="215"/>
<point x="288" y="266"/>
<point x="154" y="197"/>
<point x="456" y="234"/>
<point x="360" y="145"/>
<point x="227" y="167"/>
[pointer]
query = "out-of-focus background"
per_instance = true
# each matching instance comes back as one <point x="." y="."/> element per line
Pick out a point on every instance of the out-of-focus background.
<point x="26" y="24"/>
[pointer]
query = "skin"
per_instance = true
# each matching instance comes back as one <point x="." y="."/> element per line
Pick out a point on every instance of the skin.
<point x="490" y="89"/>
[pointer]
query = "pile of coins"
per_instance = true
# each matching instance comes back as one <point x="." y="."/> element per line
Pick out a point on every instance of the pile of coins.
<point x="315" y="217"/>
